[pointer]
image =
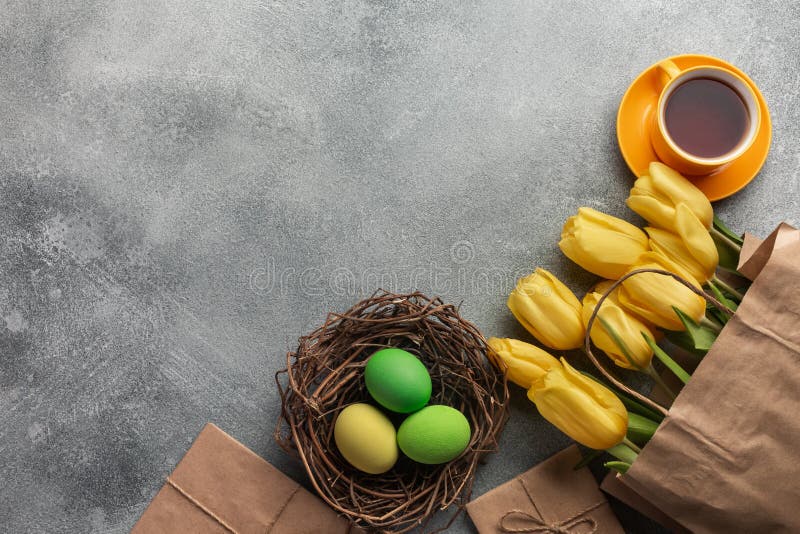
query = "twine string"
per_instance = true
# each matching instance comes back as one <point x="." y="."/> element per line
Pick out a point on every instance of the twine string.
<point x="200" y="506"/>
<point x="280" y="512"/>
<point x="221" y="522"/>
<point x="536" y="524"/>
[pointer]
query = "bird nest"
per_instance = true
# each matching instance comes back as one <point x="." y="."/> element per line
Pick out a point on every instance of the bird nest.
<point x="325" y="374"/>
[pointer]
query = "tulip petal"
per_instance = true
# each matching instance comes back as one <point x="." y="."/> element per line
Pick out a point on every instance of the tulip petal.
<point x="672" y="246"/>
<point x="655" y="197"/>
<point x="636" y="354"/>
<point x="564" y="293"/>
<point x="548" y="310"/>
<point x="522" y="362"/>
<point x="600" y="243"/>
<point x="697" y="239"/>
<point x="583" y="409"/>
<point x="652" y="296"/>
<point x="601" y="394"/>
<point x="680" y="190"/>
<point x="612" y="223"/>
<point x="650" y="204"/>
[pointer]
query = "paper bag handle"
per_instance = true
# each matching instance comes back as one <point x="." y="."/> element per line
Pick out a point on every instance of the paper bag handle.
<point x="587" y="341"/>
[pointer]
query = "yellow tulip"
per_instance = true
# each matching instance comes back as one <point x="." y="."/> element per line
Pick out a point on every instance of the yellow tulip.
<point x="652" y="295"/>
<point x="690" y="246"/>
<point x="523" y="363"/>
<point x="548" y="310"/>
<point x="583" y="409"/>
<point x="603" y="286"/>
<point x="602" y="244"/>
<point x="657" y="196"/>
<point x="628" y="327"/>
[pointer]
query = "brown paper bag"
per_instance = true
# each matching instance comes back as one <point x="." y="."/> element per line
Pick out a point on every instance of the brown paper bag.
<point x="727" y="456"/>
<point x="551" y="497"/>
<point x="613" y="486"/>
<point x="222" y="487"/>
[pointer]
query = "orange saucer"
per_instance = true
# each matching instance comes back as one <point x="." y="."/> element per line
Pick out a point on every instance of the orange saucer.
<point x="635" y="120"/>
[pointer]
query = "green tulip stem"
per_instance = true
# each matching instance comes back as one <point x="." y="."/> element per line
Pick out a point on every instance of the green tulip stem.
<point x="640" y="428"/>
<point x="725" y="239"/>
<point x="727" y="288"/>
<point x="711" y="325"/>
<point x="631" y="445"/>
<point x="622" y="452"/>
<point x="660" y="381"/>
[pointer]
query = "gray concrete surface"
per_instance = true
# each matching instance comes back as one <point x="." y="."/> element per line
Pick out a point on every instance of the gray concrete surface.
<point x="186" y="187"/>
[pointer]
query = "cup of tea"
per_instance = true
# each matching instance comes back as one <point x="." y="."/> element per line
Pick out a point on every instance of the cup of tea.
<point x="707" y="116"/>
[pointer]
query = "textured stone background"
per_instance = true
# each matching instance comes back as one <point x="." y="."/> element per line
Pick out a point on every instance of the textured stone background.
<point x="188" y="186"/>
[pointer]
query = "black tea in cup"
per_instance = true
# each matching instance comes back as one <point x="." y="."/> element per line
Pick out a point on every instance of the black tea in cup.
<point x="706" y="118"/>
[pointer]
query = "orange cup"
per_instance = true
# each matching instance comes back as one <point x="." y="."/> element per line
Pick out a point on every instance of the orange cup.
<point x="669" y="152"/>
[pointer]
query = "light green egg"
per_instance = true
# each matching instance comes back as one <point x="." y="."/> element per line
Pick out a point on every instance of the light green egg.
<point x="366" y="438"/>
<point x="434" y="435"/>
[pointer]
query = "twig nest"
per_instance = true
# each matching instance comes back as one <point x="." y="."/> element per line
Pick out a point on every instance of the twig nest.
<point x="326" y="374"/>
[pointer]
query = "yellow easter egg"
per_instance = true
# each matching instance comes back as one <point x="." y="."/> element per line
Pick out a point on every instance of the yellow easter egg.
<point x="366" y="438"/>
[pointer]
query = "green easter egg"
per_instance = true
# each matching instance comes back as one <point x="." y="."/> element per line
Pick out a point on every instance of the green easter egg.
<point x="434" y="435"/>
<point x="366" y="438"/>
<point x="397" y="380"/>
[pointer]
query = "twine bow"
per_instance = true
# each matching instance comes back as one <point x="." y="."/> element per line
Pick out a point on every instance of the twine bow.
<point x="536" y="524"/>
<point x="532" y="523"/>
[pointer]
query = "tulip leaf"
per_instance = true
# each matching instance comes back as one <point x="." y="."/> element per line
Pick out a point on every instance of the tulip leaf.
<point x="728" y="257"/>
<point x="665" y="358"/>
<point x="702" y="337"/>
<point x="634" y="406"/>
<point x="640" y="429"/>
<point x="722" y="228"/>
<point x="728" y="303"/>
<point x="685" y="341"/>
<point x="618" y="341"/>
<point x="619" y="467"/>
<point x="727" y="250"/>
<point x="591" y="455"/>
<point x="715" y="315"/>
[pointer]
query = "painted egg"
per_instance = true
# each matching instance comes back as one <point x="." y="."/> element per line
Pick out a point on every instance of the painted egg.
<point x="434" y="435"/>
<point x="366" y="438"/>
<point x="397" y="380"/>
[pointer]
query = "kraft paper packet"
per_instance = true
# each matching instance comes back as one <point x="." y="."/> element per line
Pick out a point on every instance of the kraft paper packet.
<point x="550" y="497"/>
<point x="726" y="458"/>
<point x="222" y="487"/>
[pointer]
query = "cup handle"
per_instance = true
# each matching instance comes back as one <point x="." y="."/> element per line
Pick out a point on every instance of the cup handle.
<point x="669" y="68"/>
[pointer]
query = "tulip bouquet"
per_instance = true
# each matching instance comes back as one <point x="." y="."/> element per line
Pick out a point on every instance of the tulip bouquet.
<point x="624" y="315"/>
